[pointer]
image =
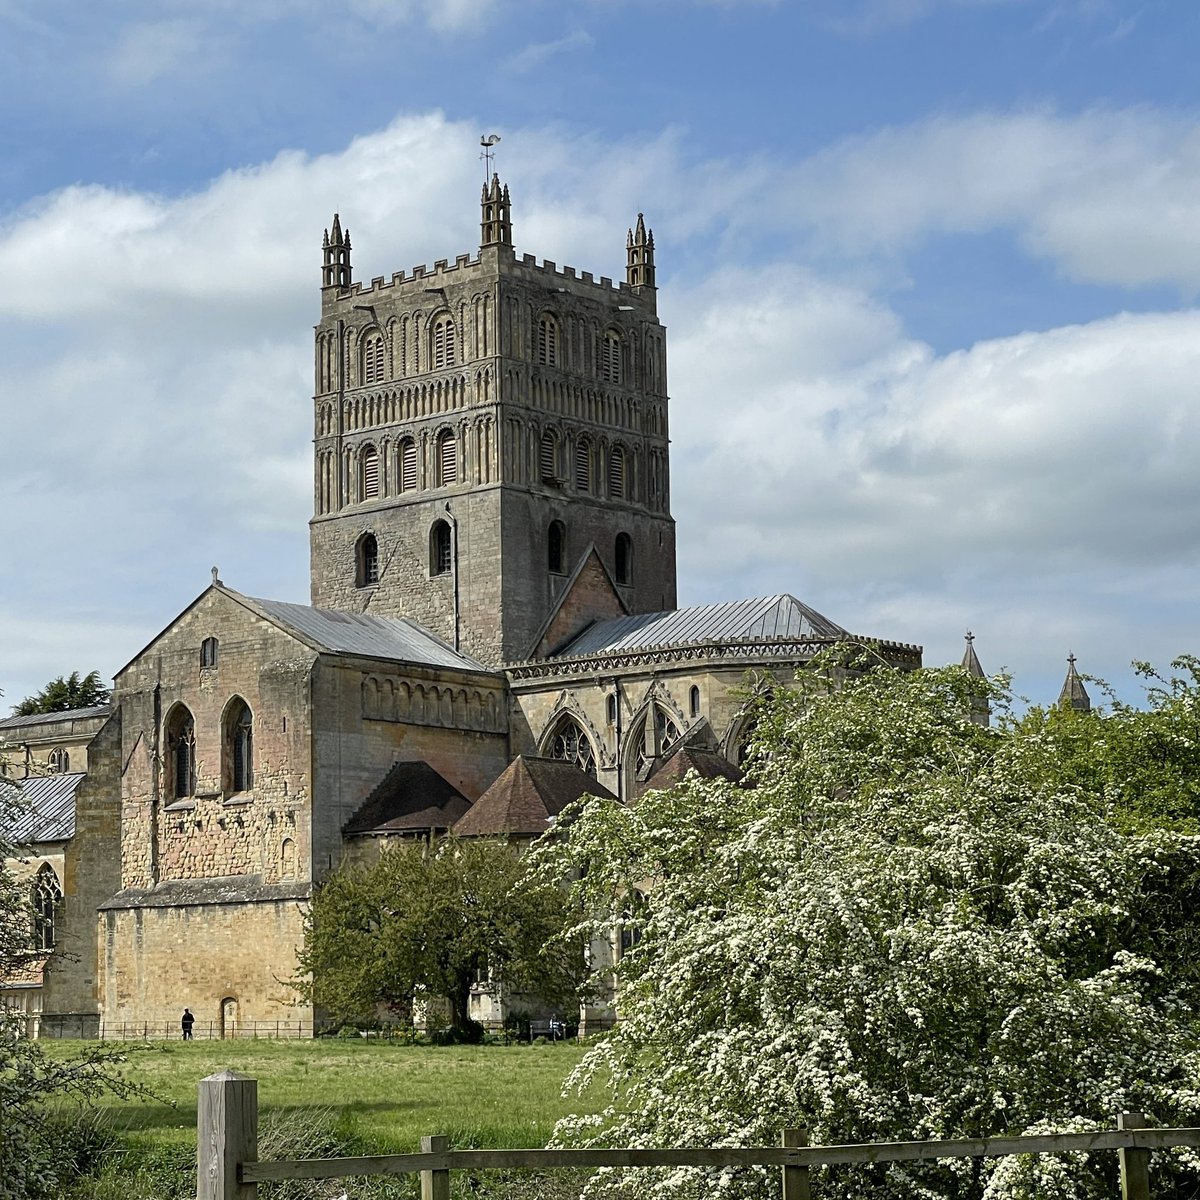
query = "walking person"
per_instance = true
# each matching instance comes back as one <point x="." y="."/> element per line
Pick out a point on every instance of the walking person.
<point x="187" y="1021"/>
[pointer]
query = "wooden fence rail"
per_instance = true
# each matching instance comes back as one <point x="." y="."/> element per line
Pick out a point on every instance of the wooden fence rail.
<point x="228" y="1166"/>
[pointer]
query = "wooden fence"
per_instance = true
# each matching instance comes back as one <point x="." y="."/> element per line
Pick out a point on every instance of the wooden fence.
<point x="228" y="1166"/>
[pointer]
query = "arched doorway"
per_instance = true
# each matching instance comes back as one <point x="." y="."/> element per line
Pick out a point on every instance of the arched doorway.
<point x="229" y="1017"/>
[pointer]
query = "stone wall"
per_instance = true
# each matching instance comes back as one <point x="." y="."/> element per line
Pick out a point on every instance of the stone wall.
<point x="218" y="948"/>
<point x="91" y="874"/>
<point x="216" y="831"/>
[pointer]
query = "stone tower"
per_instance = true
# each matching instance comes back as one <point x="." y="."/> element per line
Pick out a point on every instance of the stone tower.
<point x="478" y="427"/>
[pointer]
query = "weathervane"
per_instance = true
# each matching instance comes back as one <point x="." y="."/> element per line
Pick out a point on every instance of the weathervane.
<point x="488" y="154"/>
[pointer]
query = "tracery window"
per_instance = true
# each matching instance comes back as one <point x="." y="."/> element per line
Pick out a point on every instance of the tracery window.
<point x="408" y="465"/>
<point x="372" y="358"/>
<point x="441" y="549"/>
<point x="443" y="342"/>
<point x="623" y="558"/>
<point x="59" y="762"/>
<point x="45" y="898"/>
<point x="181" y="755"/>
<point x="208" y="652"/>
<point x="367" y="561"/>
<point x="583" y="465"/>
<point x="547" y="345"/>
<point x="548" y="457"/>
<point x="610" y="357"/>
<point x="656" y="735"/>
<point x="369" y="472"/>
<point x="556" y="548"/>
<point x="239" y="747"/>
<point x="447" y="458"/>
<point x="616" y="473"/>
<point x="571" y="744"/>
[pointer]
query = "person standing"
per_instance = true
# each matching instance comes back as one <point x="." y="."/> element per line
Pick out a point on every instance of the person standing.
<point x="187" y="1021"/>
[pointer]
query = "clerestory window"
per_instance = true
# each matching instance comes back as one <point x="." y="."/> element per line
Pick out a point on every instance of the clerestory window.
<point x="571" y="744"/>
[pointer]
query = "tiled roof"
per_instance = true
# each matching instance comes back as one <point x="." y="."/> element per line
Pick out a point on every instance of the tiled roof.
<point x="362" y="633"/>
<point x="708" y="764"/>
<point x="71" y="714"/>
<point x="46" y="808"/>
<point x="411" y="797"/>
<point x="527" y="796"/>
<point x="764" y="619"/>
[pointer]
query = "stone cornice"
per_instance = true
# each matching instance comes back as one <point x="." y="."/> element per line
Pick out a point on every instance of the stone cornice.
<point x="771" y="650"/>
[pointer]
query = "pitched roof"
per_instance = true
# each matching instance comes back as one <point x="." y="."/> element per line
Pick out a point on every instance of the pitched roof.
<point x="527" y="797"/>
<point x="708" y="764"/>
<point x="762" y="619"/>
<point x="1073" y="692"/>
<point x="69" y="714"/>
<point x="46" y="811"/>
<point x="361" y="633"/>
<point x="410" y="798"/>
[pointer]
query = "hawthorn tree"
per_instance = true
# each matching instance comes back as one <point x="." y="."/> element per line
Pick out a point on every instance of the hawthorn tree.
<point x="908" y="926"/>
<point x="427" y="921"/>
<point x="64" y="693"/>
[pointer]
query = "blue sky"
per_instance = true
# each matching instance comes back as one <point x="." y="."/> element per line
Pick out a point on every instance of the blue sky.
<point x="929" y="269"/>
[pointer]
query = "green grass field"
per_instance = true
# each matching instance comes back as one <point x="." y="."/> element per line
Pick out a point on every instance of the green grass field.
<point x="387" y="1093"/>
<point x="333" y="1097"/>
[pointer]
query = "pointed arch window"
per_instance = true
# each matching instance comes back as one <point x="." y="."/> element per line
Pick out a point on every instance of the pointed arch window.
<point x="610" y="357"/>
<point x="59" y="761"/>
<point x="369" y="473"/>
<point x="372" y="358"/>
<point x="441" y="549"/>
<point x="548" y="456"/>
<point x="443" y="342"/>
<point x="239" y="747"/>
<point x="571" y="744"/>
<point x="583" y="465"/>
<point x="447" y="458"/>
<point x="556" y="548"/>
<point x="657" y="734"/>
<point x="408" y="465"/>
<point x="616" y="473"/>
<point x="623" y="558"/>
<point x="45" y="898"/>
<point x="367" y="561"/>
<point x="547" y="345"/>
<point x="181" y="755"/>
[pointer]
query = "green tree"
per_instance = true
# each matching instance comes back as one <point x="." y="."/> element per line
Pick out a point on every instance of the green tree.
<point x="909" y="927"/>
<point x="427" y="921"/>
<point x="33" y="1162"/>
<point x="65" y="693"/>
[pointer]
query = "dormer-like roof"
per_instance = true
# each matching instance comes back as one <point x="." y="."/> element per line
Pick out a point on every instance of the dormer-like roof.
<point x="528" y="797"/>
<point x="411" y="798"/>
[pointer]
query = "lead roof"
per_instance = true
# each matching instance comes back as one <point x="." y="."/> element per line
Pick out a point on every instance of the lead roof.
<point x="766" y="618"/>
<point x="47" y="808"/>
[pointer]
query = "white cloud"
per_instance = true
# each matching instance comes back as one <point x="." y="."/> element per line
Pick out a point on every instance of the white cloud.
<point x="147" y="50"/>
<point x="537" y="54"/>
<point x="157" y="375"/>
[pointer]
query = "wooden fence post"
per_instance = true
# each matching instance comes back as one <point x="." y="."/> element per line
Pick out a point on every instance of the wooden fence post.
<point x="226" y="1134"/>
<point x="1135" y="1164"/>
<point x="435" y="1185"/>
<point x="795" y="1179"/>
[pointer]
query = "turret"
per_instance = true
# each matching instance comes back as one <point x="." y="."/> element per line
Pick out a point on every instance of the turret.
<point x="981" y="709"/>
<point x="639" y="256"/>
<point x="495" y="226"/>
<point x="336" y="247"/>
<point x="1073" y="692"/>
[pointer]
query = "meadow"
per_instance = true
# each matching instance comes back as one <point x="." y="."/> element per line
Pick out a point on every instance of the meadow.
<point x="329" y="1096"/>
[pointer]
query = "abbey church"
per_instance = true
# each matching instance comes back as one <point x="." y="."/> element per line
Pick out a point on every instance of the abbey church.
<point x="493" y="631"/>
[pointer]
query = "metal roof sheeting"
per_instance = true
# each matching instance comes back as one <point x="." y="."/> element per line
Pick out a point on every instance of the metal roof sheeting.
<point x="46" y="809"/>
<point x="363" y="633"/>
<point x="70" y="714"/>
<point x="767" y="618"/>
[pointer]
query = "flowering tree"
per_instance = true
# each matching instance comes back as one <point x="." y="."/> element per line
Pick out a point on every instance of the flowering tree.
<point x="906" y="928"/>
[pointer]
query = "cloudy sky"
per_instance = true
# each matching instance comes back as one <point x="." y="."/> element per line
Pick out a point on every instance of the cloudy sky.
<point x="929" y="269"/>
